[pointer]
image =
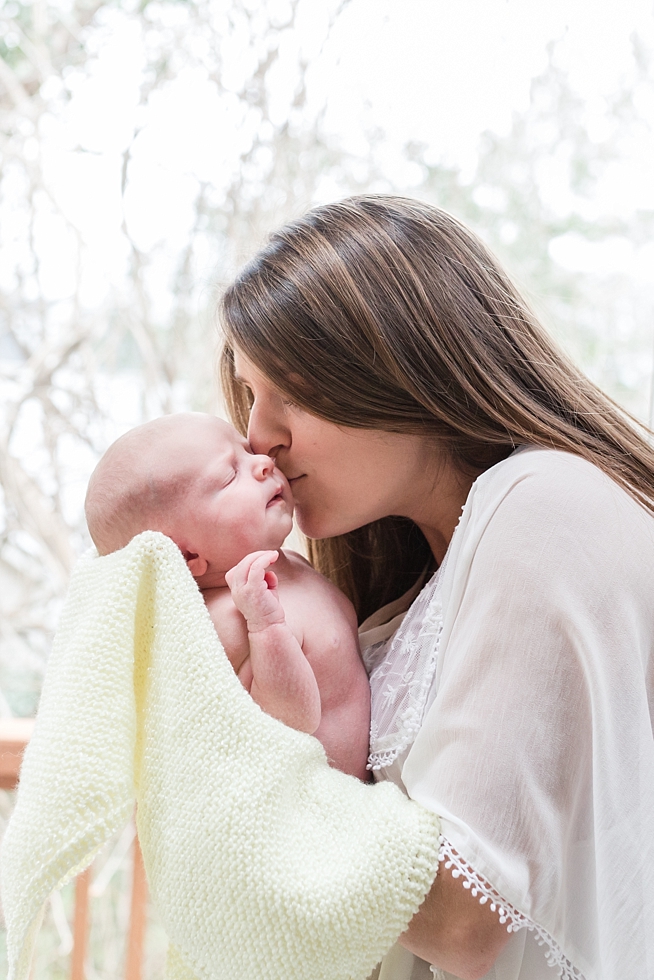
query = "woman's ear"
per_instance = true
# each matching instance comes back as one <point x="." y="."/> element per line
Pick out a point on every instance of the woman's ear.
<point x="196" y="565"/>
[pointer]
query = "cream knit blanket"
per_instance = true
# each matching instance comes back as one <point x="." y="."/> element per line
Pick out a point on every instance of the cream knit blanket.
<point x="262" y="861"/>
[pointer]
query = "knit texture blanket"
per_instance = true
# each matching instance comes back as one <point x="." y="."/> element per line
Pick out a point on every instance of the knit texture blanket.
<point x="262" y="861"/>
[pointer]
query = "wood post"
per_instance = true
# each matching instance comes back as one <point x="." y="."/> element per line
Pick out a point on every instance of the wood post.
<point x="138" y="917"/>
<point x="80" y="927"/>
<point x="14" y="736"/>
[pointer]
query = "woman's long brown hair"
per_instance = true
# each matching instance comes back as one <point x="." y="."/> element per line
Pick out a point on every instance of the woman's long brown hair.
<point x="386" y="313"/>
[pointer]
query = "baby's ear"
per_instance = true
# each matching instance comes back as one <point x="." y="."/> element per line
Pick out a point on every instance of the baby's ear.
<point x="196" y="565"/>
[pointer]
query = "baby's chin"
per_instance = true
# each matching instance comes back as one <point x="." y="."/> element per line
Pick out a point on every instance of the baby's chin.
<point x="271" y="542"/>
<point x="289" y="527"/>
<point x="281" y="518"/>
<point x="275" y="542"/>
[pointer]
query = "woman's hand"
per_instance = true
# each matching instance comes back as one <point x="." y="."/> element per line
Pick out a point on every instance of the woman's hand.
<point x="452" y="930"/>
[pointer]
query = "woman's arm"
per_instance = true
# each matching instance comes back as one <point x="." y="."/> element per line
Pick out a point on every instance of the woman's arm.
<point x="453" y="931"/>
<point x="550" y="620"/>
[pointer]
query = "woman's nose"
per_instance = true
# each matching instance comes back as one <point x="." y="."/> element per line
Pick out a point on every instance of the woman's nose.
<point x="265" y="434"/>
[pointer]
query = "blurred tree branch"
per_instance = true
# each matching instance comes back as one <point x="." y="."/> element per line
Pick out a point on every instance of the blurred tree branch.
<point x="64" y="359"/>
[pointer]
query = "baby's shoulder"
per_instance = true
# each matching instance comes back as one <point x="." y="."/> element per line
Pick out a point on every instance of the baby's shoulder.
<point x="320" y="598"/>
<point x="298" y="561"/>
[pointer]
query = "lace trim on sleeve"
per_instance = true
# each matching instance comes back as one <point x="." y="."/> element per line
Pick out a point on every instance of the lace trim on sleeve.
<point x="507" y="913"/>
<point x="401" y="676"/>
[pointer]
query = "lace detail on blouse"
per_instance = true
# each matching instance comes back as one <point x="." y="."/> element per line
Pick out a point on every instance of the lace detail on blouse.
<point x="515" y="919"/>
<point x="401" y="673"/>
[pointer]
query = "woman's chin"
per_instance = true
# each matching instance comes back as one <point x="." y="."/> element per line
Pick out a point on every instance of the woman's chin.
<point x="310" y="528"/>
<point x="315" y="526"/>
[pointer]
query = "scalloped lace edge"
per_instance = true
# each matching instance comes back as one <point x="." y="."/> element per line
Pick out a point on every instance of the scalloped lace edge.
<point x="507" y="913"/>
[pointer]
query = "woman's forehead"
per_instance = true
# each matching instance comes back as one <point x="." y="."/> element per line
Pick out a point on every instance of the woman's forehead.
<point x="247" y="372"/>
<point x="244" y="369"/>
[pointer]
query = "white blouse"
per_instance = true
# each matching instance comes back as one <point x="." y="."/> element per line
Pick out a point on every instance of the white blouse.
<point x="515" y="700"/>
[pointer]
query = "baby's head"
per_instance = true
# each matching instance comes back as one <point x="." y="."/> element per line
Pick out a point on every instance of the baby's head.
<point x="195" y="479"/>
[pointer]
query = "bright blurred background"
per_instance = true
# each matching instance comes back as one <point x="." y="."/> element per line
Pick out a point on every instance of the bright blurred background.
<point x="147" y="148"/>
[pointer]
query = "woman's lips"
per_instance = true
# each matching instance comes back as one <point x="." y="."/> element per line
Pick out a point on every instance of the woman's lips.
<point x="294" y="479"/>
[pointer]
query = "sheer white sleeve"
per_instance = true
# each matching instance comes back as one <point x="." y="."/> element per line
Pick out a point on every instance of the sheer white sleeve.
<point x="401" y="670"/>
<point x="537" y="750"/>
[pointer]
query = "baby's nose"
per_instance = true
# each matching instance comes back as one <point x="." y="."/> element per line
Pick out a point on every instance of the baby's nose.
<point x="263" y="465"/>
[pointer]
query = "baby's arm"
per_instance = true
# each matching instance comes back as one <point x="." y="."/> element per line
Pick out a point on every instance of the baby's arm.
<point x="330" y="644"/>
<point x="283" y="683"/>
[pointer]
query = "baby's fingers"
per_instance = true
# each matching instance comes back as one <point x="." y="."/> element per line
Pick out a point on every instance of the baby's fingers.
<point x="262" y="561"/>
<point x="254" y="590"/>
<point x="250" y="568"/>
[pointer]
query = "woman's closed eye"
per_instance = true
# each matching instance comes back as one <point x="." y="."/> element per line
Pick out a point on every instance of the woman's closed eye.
<point x="270" y="390"/>
<point x="286" y="402"/>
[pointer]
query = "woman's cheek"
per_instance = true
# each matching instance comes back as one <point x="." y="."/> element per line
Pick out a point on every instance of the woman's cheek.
<point x="306" y="522"/>
<point x="313" y="519"/>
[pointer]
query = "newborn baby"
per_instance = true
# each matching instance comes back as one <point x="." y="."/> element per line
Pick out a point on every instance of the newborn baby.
<point x="290" y="635"/>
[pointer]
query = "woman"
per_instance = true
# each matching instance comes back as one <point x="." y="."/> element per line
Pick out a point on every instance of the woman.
<point x="426" y="421"/>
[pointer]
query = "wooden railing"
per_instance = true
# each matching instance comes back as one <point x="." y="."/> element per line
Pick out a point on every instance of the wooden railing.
<point x="14" y="736"/>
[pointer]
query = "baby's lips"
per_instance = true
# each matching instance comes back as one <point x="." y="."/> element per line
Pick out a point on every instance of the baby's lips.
<point x="279" y="493"/>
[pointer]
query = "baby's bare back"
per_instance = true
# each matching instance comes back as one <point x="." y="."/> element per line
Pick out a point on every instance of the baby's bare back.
<point x="323" y="623"/>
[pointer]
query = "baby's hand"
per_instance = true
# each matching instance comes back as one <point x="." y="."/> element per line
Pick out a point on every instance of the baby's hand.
<point x="254" y="590"/>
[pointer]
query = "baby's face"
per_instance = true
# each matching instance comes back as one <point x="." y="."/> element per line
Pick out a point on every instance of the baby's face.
<point x="234" y="502"/>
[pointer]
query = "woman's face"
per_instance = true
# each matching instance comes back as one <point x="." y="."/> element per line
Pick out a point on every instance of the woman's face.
<point x="341" y="477"/>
